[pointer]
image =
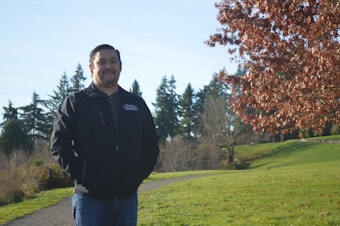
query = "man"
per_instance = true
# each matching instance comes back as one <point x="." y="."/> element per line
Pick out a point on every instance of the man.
<point x="105" y="138"/>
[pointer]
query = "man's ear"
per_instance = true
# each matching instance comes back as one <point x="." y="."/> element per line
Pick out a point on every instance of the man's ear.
<point x="91" y="68"/>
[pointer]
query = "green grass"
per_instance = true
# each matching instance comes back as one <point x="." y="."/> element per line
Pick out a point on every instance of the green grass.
<point x="298" y="196"/>
<point x="288" y="183"/>
<point x="162" y="176"/>
<point x="47" y="198"/>
<point x="42" y="200"/>
<point x="298" y="153"/>
<point x="335" y="137"/>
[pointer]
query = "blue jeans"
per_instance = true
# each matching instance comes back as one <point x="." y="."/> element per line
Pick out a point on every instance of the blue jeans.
<point x="95" y="212"/>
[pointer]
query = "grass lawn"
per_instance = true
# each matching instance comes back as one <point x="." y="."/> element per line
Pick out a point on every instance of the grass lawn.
<point x="299" y="195"/>
<point x="288" y="183"/>
<point x="42" y="200"/>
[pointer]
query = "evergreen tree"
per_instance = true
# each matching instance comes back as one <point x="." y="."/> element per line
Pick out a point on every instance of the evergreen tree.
<point x="35" y="119"/>
<point x="173" y="108"/>
<point x="63" y="89"/>
<point x="135" y="89"/>
<point x="215" y="88"/>
<point x="55" y="100"/>
<point x="10" y="112"/>
<point x="187" y="113"/>
<point x="14" y="137"/>
<point x="78" y="79"/>
<point x="160" y="110"/>
<point x="166" y="109"/>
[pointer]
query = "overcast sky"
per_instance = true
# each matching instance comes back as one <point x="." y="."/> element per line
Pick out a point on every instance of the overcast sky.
<point x="40" y="40"/>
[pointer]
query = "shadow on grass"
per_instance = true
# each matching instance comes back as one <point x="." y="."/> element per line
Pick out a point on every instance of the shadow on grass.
<point x="261" y="165"/>
<point x="282" y="151"/>
<point x="290" y="148"/>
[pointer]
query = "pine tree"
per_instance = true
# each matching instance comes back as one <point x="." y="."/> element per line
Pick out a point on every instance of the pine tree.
<point x="160" y="110"/>
<point x="55" y="100"/>
<point x="135" y="89"/>
<point x="187" y="113"/>
<point x="10" y="112"/>
<point x="14" y="137"/>
<point x="173" y="108"/>
<point x="35" y="119"/>
<point x="166" y="108"/>
<point x="78" y="79"/>
<point x="214" y="88"/>
<point x="63" y="89"/>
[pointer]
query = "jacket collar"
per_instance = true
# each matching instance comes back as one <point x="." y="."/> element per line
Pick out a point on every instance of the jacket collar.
<point x="92" y="91"/>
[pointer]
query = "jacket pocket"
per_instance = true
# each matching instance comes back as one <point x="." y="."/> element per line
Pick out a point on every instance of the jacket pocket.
<point x="80" y="173"/>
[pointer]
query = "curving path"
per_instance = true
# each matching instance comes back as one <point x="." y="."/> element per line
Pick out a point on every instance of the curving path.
<point x="61" y="213"/>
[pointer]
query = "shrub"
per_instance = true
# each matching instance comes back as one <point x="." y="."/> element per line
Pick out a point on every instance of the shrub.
<point x="22" y="176"/>
<point x="9" y="190"/>
<point x="17" y="184"/>
<point x="51" y="176"/>
<point x="335" y="130"/>
<point x="237" y="165"/>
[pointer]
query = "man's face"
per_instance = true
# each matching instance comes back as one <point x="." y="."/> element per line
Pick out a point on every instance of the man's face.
<point x="105" y="68"/>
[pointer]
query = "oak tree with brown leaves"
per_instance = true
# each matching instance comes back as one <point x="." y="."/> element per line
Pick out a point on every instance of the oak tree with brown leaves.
<point x="291" y="51"/>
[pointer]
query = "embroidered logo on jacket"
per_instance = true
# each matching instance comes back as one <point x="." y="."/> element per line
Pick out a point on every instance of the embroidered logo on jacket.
<point x="130" y="107"/>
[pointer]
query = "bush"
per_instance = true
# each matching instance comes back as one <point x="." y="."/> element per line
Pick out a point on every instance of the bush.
<point x="335" y="130"/>
<point x="17" y="184"/>
<point x="238" y="165"/>
<point x="9" y="190"/>
<point x="51" y="176"/>
<point x="21" y="177"/>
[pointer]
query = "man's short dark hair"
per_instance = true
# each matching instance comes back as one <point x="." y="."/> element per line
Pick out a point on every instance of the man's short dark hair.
<point x="103" y="46"/>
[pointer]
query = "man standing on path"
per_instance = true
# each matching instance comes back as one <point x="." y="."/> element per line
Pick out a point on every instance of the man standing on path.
<point x="105" y="138"/>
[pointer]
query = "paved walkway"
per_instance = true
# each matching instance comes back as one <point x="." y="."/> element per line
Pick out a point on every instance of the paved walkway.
<point x="61" y="213"/>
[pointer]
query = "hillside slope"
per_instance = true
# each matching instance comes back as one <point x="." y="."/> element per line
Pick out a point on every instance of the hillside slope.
<point x="292" y="152"/>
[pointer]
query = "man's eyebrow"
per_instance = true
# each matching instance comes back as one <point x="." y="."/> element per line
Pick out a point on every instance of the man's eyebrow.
<point x="110" y="58"/>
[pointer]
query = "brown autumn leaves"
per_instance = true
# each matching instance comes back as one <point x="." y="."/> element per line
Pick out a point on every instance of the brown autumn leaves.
<point x="291" y="52"/>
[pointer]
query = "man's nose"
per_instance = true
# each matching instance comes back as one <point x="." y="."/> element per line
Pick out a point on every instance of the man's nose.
<point x="107" y="64"/>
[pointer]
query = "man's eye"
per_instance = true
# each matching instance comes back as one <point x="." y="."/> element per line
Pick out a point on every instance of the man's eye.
<point x="101" y="62"/>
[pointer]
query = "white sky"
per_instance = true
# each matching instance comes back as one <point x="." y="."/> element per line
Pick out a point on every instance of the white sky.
<point x="40" y="40"/>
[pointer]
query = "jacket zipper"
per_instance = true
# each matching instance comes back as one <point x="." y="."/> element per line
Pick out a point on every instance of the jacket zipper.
<point x="101" y="114"/>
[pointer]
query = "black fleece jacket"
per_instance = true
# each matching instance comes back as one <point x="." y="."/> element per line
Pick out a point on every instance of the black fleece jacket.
<point x="106" y="161"/>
